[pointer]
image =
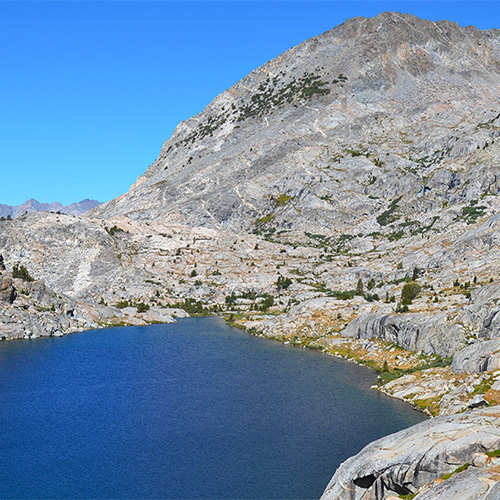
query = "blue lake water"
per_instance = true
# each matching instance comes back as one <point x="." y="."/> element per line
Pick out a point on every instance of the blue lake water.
<point x="191" y="410"/>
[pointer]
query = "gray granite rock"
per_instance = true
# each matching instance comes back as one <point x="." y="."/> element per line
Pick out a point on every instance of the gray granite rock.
<point x="478" y="358"/>
<point x="410" y="459"/>
<point x="472" y="484"/>
<point x="401" y="112"/>
<point x="430" y="334"/>
<point x="7" y="291"/>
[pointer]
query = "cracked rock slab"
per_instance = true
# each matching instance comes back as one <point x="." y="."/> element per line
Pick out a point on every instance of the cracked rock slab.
<point x="412" y="458"/>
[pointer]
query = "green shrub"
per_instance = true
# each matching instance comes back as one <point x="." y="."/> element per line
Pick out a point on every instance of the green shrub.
<point x="19" y="271"/>
<point x="283" y="283"/>
<point x="266" y="303"/>
<point x="402" y="308"/>
<point x="142" y="307"/>
<point x="472" y="213"/>
<point x="370" y="297"/>
<point x="389" y="215"/>
<point x="410" y="291"/>
<point x="360" y="287"/>
<point x="113" y="230"/>
<point x="196" y="307"/>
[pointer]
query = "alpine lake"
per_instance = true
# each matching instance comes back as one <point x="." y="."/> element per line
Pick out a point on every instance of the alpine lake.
<point x="195" y="409"/>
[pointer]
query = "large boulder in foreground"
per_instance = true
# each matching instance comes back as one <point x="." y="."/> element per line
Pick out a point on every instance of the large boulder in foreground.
<point x="412" y="458"/>
<point x="473" y="484"/>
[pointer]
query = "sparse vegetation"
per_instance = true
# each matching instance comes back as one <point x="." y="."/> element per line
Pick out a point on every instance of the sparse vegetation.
<point x="410" y="291"/>
<point x="142" y="307"/>
<point x="389" y="215"/>
<point x="270" y="94"/>
<point x="471" y="213"/>
<point x="113" y="230"/>
<point x="282" y="200"/>
<point x="456" y="471"/>
<point x="283" y="283"/>
<point x="19" y="271"/>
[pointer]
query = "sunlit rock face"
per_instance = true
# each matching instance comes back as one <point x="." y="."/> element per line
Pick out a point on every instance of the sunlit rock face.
<point x="378" y="120"/>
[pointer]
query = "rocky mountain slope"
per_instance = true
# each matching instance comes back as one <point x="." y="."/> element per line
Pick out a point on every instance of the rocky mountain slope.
<point x="32" y="205"/>
<point x="29" y="309"/>
<point x="343" y="197"/>
<point x="370" y="125"/>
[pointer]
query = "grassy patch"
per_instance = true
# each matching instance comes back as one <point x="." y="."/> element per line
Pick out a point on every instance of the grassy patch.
<point x="264" y="220"/>
<point x="390" y="215"/>
<point x="409" y="496"/>
<point x="484" y="385"/>
<point x="456" y="471"/>
<point x="437" y="362"/>
<point x="282" y="200"/>
<point x="489" y="123"/>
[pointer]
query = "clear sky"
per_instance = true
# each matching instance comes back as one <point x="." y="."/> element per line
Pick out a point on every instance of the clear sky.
<point x="91" y="90"/>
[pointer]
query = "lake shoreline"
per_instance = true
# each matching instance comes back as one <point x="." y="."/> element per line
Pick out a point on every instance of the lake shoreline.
<point x="189" y="394"/>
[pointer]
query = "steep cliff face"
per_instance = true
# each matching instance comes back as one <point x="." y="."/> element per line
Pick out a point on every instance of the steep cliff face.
<point x="373" y="121"/>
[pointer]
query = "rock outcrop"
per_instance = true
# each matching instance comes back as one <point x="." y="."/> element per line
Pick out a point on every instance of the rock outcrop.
<point x="478" y="358"/>
<point x="409" y="460"/>
<point x="427" y="333"/>
<point x="29" y="309"/>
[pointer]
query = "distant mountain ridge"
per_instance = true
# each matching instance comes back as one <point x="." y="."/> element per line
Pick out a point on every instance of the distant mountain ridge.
<point x="35" y="206"/>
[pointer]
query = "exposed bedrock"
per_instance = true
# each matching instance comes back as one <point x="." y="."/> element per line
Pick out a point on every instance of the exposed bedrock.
<point x="478" y="358"/>
<point x="412" y="458"/>
<point x="429" y="334"/>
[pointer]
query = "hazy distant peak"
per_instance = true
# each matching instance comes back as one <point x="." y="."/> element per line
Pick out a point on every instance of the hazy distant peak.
<point x="33" y="205"/>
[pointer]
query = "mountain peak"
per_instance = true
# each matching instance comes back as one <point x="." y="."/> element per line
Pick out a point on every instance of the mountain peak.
<point x="33" y="205"/>
<point x="376" y="97"/>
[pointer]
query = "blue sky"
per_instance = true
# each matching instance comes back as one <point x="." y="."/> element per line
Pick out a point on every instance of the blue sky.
<point x="91" y="90"/>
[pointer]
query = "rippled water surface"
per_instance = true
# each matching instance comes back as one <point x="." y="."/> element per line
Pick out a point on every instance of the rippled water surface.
<point x="191" y="410"/>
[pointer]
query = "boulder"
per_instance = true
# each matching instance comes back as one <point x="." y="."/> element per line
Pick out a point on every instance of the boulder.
<point x="407" y="460"/>
<point x="7" y="290"/>
<point x="472" y="484"/>
<point x="478" y="401"/>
